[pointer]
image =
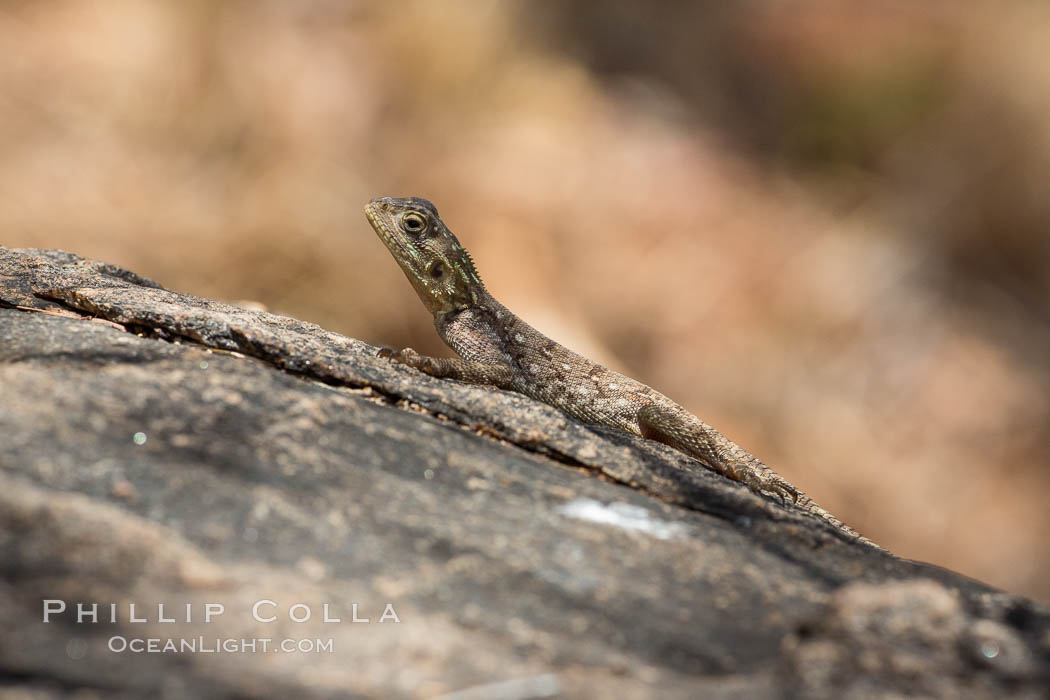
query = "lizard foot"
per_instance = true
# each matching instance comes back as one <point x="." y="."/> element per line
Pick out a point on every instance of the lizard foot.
<point x="766" y="482"/>
<point x="408" y="356"/>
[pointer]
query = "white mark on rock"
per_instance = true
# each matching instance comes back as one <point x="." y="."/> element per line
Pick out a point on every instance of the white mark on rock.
<point x="544" y="686"/>
<point x="623" y="516"/>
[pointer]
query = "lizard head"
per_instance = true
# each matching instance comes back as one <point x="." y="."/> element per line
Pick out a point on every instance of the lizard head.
<point x="440" y="270"/>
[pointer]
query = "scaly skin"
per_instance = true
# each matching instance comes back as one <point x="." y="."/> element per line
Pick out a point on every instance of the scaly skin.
<point x="499" y="349"/>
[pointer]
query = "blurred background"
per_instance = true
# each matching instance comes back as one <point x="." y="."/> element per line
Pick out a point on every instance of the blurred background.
<point x="823" y="227"/>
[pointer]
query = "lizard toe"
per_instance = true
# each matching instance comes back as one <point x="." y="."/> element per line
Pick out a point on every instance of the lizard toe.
<point x="780" y="489"/>
<point x="410" y="357"/>
<point x="405" y="356"/>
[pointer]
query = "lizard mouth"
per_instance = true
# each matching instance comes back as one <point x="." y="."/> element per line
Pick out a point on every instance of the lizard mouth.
<point x="391" y="240"/>
<point x="401" y="250"/>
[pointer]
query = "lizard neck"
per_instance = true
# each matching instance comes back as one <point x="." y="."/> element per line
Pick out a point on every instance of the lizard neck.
<point x="483" y="306"/>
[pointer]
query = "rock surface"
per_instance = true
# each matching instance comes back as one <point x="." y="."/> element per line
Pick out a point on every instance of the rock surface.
<point x="160" y="448"/>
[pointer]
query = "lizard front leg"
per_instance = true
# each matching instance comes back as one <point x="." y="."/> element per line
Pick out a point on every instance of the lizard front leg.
<point x="470" y="371"/>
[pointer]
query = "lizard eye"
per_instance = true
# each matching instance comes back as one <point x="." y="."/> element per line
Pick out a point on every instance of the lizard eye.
<point x="437" y="270"/>
<point x="413" y="223"/>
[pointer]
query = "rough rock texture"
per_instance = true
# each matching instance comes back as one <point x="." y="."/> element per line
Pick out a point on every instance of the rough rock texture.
<point x="161" y="448"/>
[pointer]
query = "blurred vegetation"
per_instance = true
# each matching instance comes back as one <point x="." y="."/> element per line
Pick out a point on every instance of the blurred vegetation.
<point x="843" y="122"/>
<point x="822" y="226"/>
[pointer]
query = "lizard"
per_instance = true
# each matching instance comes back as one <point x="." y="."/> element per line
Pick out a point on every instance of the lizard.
<point x="496" y="348"/>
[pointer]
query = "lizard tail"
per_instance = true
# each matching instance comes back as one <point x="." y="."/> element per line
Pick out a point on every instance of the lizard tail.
<point x="809" y="505"/>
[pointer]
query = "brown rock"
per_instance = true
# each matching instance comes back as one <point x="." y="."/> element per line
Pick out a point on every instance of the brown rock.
<point x="192" y="454"/>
